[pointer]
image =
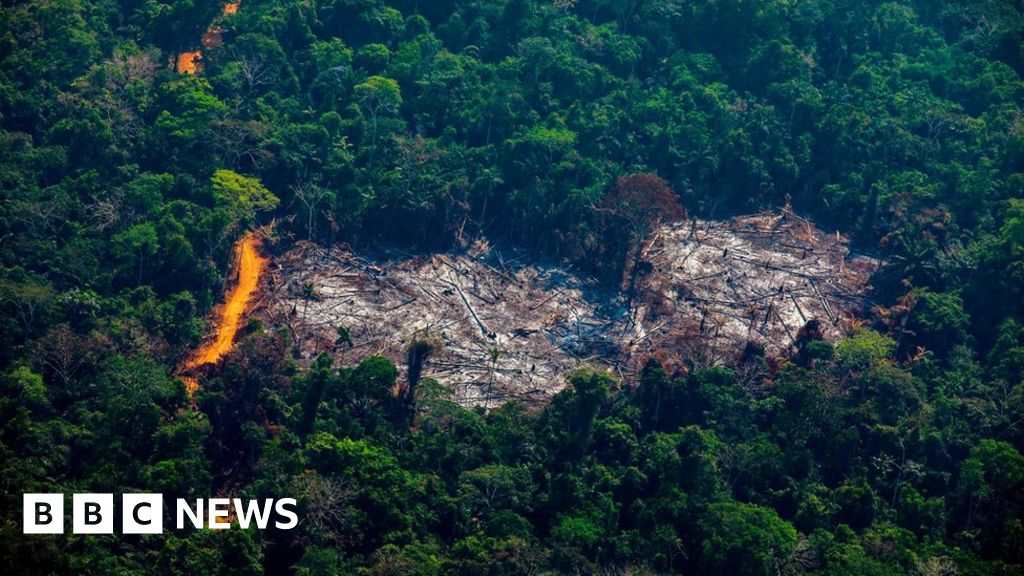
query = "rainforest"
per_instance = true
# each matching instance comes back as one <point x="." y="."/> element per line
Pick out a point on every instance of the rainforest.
<point x="517" y="287"/>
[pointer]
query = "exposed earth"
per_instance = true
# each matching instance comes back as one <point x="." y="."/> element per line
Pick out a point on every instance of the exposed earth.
<point x="512" y="329"/>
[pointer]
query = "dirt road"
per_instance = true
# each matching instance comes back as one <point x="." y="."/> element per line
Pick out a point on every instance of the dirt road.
<point x="250" y="267"/>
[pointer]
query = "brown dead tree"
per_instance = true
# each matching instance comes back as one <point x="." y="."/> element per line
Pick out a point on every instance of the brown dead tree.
<point x="640" y="203"/>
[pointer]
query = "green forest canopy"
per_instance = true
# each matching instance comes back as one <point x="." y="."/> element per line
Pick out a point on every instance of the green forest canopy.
<point x="422" y="124"/>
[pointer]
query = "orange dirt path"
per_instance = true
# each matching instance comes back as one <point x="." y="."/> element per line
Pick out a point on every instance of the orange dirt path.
<point x="191" y="62"/>
<point x="250" y="267"/>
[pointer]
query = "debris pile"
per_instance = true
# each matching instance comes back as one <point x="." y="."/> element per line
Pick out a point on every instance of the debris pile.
<point x="715" y="286"/>
<point x="505" y="332"/>
<point x="509" y="329"/>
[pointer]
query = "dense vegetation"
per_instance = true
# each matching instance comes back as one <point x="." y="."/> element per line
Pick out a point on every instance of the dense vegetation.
<point x="430" y="123"/>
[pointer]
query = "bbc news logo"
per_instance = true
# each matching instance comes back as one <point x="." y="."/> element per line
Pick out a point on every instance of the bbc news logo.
<point x="144" y="513"/>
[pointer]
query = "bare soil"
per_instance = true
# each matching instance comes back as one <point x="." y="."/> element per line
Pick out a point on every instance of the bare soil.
<point x="513" y="328"/>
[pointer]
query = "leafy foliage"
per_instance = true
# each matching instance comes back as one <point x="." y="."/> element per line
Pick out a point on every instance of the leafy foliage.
<point x="570" y="128"/>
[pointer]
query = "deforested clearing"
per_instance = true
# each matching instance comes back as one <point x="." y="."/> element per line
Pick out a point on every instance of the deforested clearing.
<point x="512" y="328"/>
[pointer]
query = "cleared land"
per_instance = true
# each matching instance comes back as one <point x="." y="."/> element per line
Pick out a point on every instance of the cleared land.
<point x="250" y="266"/>
<point x="511" y="329"/>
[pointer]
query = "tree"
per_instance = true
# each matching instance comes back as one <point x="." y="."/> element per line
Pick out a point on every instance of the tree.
<point x="242" y="196"/>
<point x="655" y="396"/>
<point x="989" y="496"/>
<point x="746" y="540"/>
<point x="311" y="195"/>
<point x="28" y="301"/>
<point x="588" y="391"/>
<point x="136" y="246"/>
<point x="64" y="354"/>
<point x="639" y="203"/>
<point x="937" y="321"/>
<point x="378" y="95"/>
<point x="492" y="488"/>
<point x="319" y="377"/>
<point x="418" y="353"/>
<point x="863" y="349"/>
<point x="539" y="125"/>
